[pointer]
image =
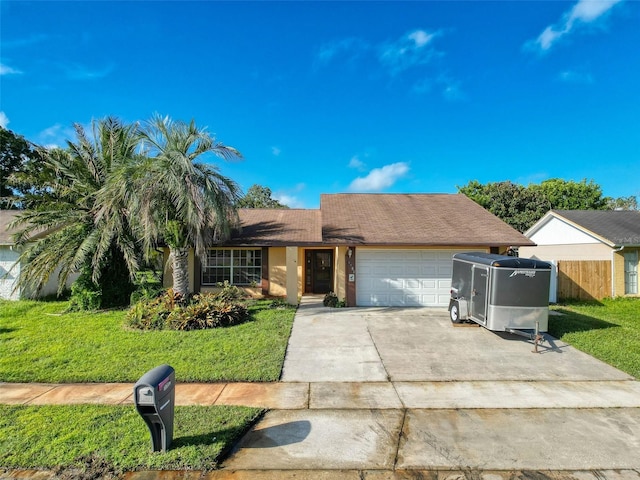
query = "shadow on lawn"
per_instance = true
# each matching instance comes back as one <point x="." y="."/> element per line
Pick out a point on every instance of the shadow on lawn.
<point x="571" y="322"/>
<point x="209" y="438"/>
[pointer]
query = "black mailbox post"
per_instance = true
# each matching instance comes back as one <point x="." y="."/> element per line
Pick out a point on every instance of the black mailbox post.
<point x="154" y="396"/>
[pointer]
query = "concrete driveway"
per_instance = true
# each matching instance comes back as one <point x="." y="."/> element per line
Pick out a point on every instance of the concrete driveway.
<point x="403" y="390"/>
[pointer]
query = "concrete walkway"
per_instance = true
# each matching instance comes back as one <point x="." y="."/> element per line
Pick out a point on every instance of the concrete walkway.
<point x="393" y="393"/>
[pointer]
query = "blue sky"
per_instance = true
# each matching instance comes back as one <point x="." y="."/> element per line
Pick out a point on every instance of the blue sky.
<point x="327" y="97"/>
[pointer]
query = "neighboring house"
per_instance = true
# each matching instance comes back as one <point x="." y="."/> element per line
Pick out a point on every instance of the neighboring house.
<point x="10" y="269"/>
<point x="370" y="249"/>
<point x="608" y="240"/>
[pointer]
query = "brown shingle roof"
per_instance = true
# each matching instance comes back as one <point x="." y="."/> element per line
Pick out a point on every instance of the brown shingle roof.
<point x="278" y="227"/>
<point x="6" y="217"/>
<point x="413" y="219"/>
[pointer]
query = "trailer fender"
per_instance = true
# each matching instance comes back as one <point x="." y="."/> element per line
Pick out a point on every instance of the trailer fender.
<point x="458" y="310"/>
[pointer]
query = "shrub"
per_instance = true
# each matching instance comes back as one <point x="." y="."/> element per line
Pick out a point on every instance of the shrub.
<point x="200" y="311"/>
<point x="152" y="313"/>
<point x="331" y="300"/>
<point x="148" y="286"/>
<point x="230" y="293"/>
<point x="207" y="311"/>
<point x="85" y="294"/>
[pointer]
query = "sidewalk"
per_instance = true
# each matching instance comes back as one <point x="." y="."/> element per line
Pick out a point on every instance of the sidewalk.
<point x="349" y="395"/>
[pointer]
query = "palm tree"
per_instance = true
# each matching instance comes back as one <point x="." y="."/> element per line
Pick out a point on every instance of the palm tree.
<point x="77" y="225"/>
<point x="184" y="203"/>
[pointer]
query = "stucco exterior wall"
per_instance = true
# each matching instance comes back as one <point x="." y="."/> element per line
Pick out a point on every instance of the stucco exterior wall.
<point x="340" y="272"/>
<point x="618" y="274"/>
<point x="278" y="271"/>
<point x="590" y="251"/>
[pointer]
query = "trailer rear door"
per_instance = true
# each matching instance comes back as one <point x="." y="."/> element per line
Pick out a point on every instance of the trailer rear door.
<point x="479" y="288"/>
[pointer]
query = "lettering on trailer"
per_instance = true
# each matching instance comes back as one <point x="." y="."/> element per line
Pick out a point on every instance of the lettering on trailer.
<point x="526" y="273"/>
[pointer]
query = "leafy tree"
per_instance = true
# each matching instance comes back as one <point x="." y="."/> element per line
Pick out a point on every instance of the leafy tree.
<point x="570" y="195"/>
<point x="259" y="197"/>
<point x="77" y="225"/>
<point x="181" y="201"/>
<point x="515" y="204"/>
<point x="521" y="206"/>
<point x="16" y="154"/>
<point x="623" y="203"/>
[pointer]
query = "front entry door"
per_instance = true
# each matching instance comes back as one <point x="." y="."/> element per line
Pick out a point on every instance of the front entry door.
<point x="319" y="271"/>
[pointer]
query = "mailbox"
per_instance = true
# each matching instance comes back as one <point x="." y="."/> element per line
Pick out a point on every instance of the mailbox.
<point x="154" y="396"/>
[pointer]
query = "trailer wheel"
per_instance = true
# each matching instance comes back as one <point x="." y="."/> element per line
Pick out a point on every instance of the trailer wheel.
<point x="454" y="313"/>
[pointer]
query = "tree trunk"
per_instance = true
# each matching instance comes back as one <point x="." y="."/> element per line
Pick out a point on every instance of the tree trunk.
<point x="180" y="262"/>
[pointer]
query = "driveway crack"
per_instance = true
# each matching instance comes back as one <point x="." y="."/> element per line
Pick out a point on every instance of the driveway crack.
<point x="378" y="352"/>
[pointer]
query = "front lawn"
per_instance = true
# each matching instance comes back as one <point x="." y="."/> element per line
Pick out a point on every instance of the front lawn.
<point x="608" y="330"/>
<point x="40" y="343"/>
<point x="101" y="441"/>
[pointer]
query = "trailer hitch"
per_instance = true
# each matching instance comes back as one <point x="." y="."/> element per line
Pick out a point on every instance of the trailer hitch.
<point x="536" y="337"/>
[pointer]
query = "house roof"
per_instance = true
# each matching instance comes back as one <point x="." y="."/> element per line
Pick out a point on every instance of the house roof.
<point x="378" y="219"/>
<point x="6" y="217"/>
<point x="615" y="227"/>
<point x="413" y="219"/>
<point x="278" y="227"/>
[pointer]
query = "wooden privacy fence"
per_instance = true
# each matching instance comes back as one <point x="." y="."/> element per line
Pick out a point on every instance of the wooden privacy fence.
<point x="584" y="279"/>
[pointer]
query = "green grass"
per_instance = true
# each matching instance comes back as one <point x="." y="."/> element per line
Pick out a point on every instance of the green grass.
<point x="112" y="439"/>
<point x="41" y="344"/>
<point x="608" y="330"/>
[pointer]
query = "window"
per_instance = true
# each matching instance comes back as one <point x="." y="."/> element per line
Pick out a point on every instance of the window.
<point x="238" y="267"/>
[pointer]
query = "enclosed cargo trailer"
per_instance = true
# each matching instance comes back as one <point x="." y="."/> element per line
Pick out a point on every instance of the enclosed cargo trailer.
<point x="500" y="292"/>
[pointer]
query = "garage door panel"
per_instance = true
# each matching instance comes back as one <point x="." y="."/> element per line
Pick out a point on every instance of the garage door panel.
<point x="428" y="284"/>
<point x="403" y="277"/>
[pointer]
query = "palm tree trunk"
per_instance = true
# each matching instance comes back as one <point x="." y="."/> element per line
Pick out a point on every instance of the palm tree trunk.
<point x="180" y="263"/>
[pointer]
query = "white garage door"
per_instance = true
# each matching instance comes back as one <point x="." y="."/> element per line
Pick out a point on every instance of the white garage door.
<point x="403" y="277"/>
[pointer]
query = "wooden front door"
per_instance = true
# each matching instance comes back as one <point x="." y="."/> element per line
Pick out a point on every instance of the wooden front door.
<point x="319" y="271"/>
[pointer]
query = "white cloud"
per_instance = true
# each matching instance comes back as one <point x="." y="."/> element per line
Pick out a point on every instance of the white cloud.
<point x="288" y="196"/>
<point x="81" y="72"/>
<point x="380" y="178"/>
<point x="57" y="135"/>
<point x="571" y="76"/>
<point x="4" y="120"/>
<point x="275" y="151"/>
<point x="356" y="163"/>
<point x="7" y="70"/>
<point x="584" y="12"/>
<point x="290" y="201"/>
<point x="25" y="41"/>
<point x="413" y="48"/>
<point x="350" y="48"/>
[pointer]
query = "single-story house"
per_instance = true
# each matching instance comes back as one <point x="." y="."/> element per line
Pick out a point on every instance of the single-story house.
<point x="592" y="237"/>
<point x="370" y="249"/>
